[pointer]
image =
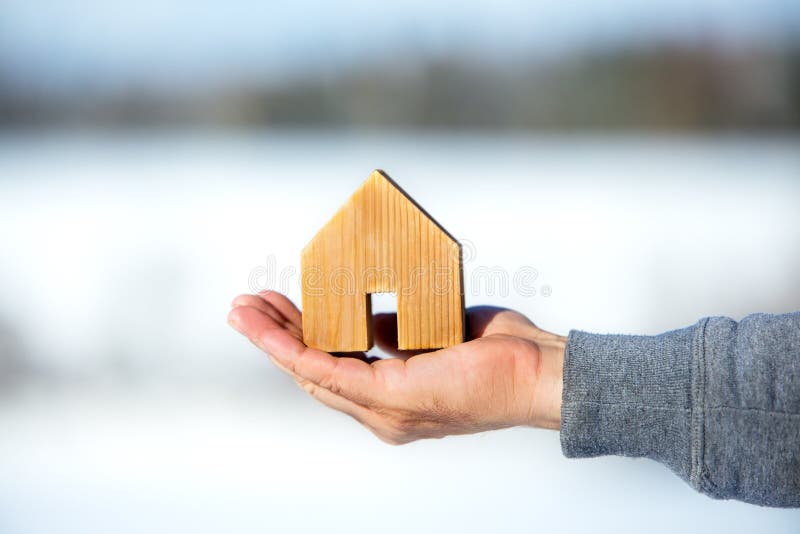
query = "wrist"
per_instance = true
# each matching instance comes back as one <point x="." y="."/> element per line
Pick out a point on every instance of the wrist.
<point x="546" y="409"/>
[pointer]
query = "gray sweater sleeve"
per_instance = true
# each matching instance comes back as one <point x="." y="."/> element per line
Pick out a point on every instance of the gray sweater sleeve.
<point x="718" y="403"/>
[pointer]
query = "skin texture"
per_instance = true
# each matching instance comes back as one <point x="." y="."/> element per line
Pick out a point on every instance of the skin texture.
<point x="509" y="373"/>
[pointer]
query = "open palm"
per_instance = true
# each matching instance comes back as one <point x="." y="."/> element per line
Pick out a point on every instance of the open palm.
<point x="507" y="374"/>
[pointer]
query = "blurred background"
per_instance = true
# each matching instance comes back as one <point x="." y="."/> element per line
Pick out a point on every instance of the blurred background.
<point x="641" y="159"/>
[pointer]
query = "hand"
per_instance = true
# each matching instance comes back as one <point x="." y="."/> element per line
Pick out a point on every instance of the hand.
<point x="508" y="374"/>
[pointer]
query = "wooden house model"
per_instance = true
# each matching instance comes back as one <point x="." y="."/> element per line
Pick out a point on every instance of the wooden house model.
<point x="381" y="241"/>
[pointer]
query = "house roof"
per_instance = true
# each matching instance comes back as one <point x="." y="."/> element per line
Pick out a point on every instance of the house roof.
<point x="382" y="174"/>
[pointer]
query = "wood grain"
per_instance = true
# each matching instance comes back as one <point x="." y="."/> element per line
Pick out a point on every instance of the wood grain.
<point x="381" y="241"/>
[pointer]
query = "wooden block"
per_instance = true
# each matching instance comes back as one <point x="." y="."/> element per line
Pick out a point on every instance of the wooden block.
<point x="381" y="241"/>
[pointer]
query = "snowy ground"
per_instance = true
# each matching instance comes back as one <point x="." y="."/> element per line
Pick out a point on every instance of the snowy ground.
<point x="140" y="410"/>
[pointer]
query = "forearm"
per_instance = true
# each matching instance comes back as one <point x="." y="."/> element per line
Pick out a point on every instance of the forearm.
<point x="718" y="403"/>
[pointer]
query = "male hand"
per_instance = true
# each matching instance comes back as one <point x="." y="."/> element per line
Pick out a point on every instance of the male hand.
<point x="509" y="373"/>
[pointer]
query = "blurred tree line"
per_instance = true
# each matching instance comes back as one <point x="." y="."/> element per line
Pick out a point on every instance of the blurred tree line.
<point x="660" y="88"/>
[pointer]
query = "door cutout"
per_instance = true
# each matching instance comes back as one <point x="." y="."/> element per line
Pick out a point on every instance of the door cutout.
<point x="381" y="303"/>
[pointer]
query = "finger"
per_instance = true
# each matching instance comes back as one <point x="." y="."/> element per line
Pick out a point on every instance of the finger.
<point x="341" y="404"/>
<point x="274" y="301"/>
<point x="362" y="414"/>
<point x="283" y="368"/>
<point x="284" y="305"/>
<point x="262" y="306"/>
<point x="240" y="319"/>
<point x="267" y="307"/>
<point x="253" y="301"/>
<point x="384" y="333"/>
<point x="330" y="399"/>
<point x="348" y="377"/>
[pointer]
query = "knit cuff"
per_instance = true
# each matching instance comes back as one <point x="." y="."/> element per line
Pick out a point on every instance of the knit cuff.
<point x="630" y="396"/>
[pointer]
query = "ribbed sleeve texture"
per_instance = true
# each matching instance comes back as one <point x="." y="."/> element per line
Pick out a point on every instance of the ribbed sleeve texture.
<point x="718" y="403"/>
